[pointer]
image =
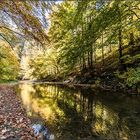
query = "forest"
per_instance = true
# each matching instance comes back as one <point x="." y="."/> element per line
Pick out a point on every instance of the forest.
<point x="82" y="42"/>
<point x="69" y="69"/>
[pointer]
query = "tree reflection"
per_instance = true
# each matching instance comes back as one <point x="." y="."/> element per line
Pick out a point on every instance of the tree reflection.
<point x="77" y="113"/>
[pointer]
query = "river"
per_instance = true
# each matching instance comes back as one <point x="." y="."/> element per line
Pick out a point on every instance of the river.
<point x="72" y="113"/>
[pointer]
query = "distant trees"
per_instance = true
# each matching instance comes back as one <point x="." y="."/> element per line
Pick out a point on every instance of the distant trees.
<point x="45" y="65"/>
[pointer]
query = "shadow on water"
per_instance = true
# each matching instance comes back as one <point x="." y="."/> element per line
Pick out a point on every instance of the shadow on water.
<point x="75" y="113"/>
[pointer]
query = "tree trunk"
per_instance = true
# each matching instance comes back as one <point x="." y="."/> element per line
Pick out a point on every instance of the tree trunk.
<point x="121" y="65"/>
<point x="131" y="42"/>
<point x="88" y="58"/>
<point x="102" y="49"/>
<point x="110" y="48"/>
<point x="95" y="55"/>
<point x="91" y="57"/>
<point x="84" y="63"/>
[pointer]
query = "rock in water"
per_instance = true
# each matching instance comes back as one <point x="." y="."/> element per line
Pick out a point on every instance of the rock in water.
<point x="41" y="130"/>
<point x="37" y="128"/>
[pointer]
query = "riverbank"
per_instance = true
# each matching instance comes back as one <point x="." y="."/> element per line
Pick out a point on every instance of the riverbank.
<point x="14" y="124"/>
<point x="104" y="81"/>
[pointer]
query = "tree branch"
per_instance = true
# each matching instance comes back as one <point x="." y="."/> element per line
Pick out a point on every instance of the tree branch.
<point x="7" y="42"/>
<point x="132" y="11"/>
<point x="11" y="30"/>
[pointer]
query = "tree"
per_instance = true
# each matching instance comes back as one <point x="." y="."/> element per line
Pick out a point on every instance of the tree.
<point x="84" y="34"/>
<point x="24" y="15"/>
<point x="9" y="64"/>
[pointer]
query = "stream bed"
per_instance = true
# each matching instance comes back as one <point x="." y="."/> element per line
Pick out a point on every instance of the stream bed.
<point x="71" y="113"/>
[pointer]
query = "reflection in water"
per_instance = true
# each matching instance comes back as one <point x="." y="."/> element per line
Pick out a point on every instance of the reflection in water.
<point x="73" y="114"/>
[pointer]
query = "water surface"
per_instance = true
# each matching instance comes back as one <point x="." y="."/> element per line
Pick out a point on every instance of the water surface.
<point x="82" y="113"/>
